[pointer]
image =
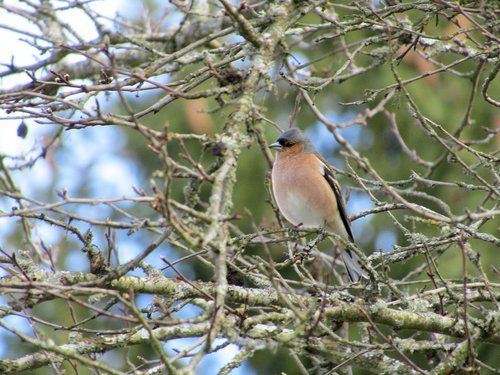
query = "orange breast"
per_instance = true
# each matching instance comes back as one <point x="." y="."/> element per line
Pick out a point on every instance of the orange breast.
<point x="301" y="191"/>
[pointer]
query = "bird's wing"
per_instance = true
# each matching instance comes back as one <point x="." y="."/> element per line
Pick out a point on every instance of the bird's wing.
<point x="332" y="181"/>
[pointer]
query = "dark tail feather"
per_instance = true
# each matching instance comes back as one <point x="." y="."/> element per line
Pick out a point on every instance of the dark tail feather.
<point x="354" y="270"/>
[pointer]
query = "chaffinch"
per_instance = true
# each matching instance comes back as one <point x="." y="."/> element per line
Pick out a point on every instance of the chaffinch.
<point x="308" y="194"/>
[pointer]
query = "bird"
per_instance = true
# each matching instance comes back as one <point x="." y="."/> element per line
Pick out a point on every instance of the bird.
<point x="308" y="194"/>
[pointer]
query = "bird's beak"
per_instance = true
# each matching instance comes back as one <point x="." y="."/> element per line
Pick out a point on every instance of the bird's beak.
<point x="276" y="146"/>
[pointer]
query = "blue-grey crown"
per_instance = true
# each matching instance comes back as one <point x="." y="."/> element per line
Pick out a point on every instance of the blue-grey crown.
<point x="295" y="136"/>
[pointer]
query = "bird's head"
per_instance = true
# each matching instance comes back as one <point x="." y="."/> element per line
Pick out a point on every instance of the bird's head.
<point x="292" y="141"/>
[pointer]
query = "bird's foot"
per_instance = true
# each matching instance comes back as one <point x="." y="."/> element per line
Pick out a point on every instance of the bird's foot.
<point x="305" y="253"/>
<point x="295" y="232"/>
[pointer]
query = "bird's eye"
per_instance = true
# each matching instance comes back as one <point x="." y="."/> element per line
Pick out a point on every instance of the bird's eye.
<point x="285" y="143"/>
